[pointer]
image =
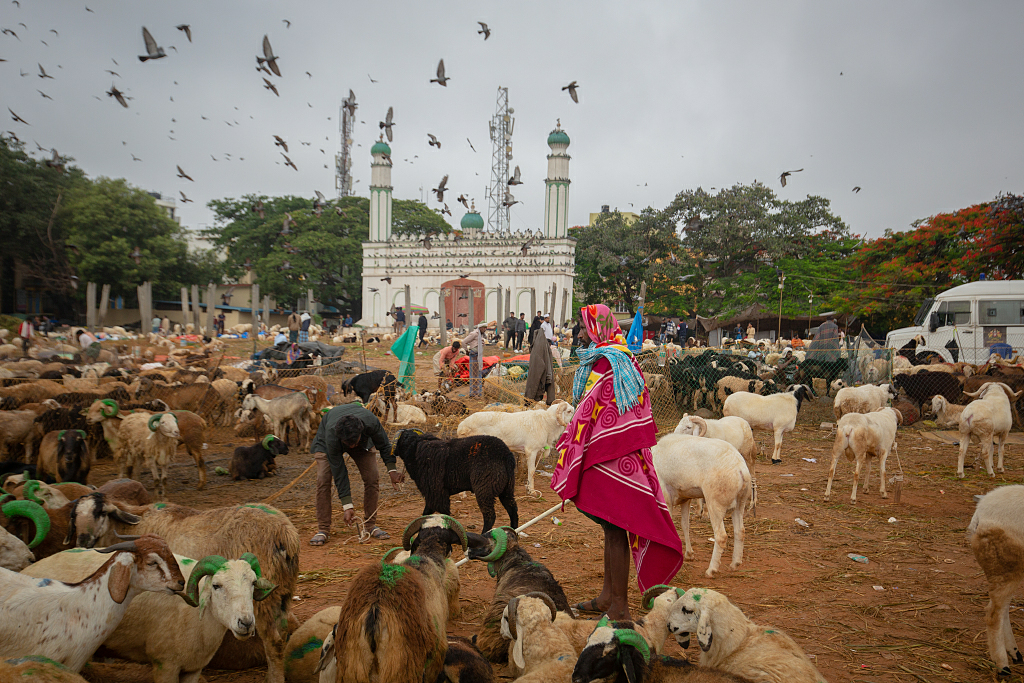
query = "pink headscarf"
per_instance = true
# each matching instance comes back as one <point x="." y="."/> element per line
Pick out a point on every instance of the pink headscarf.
<point x="602" y="326"/>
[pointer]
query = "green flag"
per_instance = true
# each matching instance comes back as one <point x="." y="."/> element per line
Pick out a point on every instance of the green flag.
<point x="405" y="351"/>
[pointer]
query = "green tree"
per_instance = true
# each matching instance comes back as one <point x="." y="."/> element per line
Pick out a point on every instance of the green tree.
<point x="409" y="216"/>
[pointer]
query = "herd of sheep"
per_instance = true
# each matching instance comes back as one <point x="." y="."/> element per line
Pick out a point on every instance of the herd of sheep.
<point x="182" y="588"/>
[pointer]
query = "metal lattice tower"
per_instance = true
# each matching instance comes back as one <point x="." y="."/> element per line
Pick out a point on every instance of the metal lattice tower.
<point x="501" y="127"/>
<point x="343" y="160"/>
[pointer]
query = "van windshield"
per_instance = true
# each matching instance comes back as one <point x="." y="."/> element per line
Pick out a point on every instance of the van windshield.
<point x="922" y="313"/>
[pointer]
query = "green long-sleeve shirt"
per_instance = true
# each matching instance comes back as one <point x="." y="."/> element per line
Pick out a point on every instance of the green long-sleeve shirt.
<point x="326" y="441"/>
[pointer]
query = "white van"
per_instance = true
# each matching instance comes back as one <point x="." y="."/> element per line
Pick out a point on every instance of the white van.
<point x="965" y="322"/>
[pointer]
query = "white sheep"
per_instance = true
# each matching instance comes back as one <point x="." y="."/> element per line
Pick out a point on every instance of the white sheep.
<point x="79" y="617"/>
<point x="835" y="387"/>
<point x="294" y="406"/>
<point x="14" y="554"/>
<point x="734" y="430"/>
<point x="151" y="439"/>
<point x="169" y="632"/>
<point x="988" y="418"/>
<point x="405" y="414"/>
<point x="946" y="413"/>
<point x="529" y="431"/>
<point x="16" y="429"/>
<point x="776" y="413"/>
<point x="691" y="467"/>
<point x="996" y="535"/>
<point x="860" y="437"/>
<point x="731" y="642"/>
<point x="864" y="399"/>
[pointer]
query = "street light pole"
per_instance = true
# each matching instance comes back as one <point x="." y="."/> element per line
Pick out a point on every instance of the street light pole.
<point x="782" y="281"/>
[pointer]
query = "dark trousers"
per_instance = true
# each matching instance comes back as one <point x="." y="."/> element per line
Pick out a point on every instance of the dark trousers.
<point x="366" y="462"/>
<point x="423" y="333"/>
<point x="509" y="337"/>
<point x="519" y="341"/>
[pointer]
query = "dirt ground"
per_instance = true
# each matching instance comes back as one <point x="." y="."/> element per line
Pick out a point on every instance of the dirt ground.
<point x="914" y="612"/>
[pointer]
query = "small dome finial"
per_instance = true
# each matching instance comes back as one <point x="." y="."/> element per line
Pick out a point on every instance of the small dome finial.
<point x="472" y="205"/>
<point x="558" y="126"/>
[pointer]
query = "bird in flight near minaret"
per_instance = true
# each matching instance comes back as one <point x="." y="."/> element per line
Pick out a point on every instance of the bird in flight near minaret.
<point x="441" y="78"/>
<point x="387" y="123"/>
<point x="269" y="57"/>
<point x="786" y="174"/>
<point x="572" y="91"/>
<point x="440" y="189"/>
<point x="484" y="30"/>
<point x="153" y="51"/>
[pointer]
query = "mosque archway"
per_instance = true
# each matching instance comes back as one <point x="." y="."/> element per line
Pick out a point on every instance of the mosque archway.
<point x="456" y="300"/>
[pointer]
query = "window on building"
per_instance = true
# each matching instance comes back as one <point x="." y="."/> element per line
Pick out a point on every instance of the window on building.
<point x="954" y="313"/>
<point x="620" y="307"/>
<point x="1009" y="312"/>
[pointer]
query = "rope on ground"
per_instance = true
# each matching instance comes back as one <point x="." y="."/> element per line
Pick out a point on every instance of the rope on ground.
<point x="272" y="498"/>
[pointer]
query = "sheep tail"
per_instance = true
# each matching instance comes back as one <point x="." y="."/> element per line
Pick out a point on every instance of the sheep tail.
<point x="999" y="554"/>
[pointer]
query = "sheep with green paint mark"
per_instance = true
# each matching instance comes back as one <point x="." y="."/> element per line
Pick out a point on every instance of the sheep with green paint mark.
<point x="731" y="642"/>
<point x="179" y="636"/>
<point x="304" y="646"/>
<point x="394" y="619"/>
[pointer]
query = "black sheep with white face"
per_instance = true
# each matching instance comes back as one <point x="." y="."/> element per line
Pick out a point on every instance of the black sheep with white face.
<point x="257" y="461"/>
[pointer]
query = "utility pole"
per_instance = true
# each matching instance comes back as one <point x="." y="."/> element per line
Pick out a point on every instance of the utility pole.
<point x="782" y="282"/>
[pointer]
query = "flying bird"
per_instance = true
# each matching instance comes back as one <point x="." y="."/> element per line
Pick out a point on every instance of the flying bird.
<point x="17" y="119"/>
<point x="484" y="30"/>
<point x="471" y="144"/>
<point x="44" y="94"/>
<point x="88" y="10"/>
<point x="289" y="162"/>
<point x="515" y="179"/>
<point x="113" y="73"/>
<point x="55" y="162"/>
<point x="372" y="289"/>
<point x="446" y="210"/>
<point x="279" y="142"/>
<point x="182" y="174"/>
<point x="153" y="51"/>
<point x="136" y="256"/>
<point x="270" y="86"/>
<point x="11" y="33"/>
<point x="526" y="246"/>
<point x="184" y="199"/>
<point x="117" y="95"/>
<point x="857" y="189"/>
<point x="287" y="24"/>
<point x="440" y="189"/>
<point x="269" y="57"/>
<point x="441" y="78"/>
<point x="572" y="91"/>
<point x="258" y="208"/>
<point x="426" y="241"/>
<point x="371" y="78"/>
<point x="42" y="71"/>
<point x="386" y="279"/>
<point x="187" y="29"/>
<point x="135" y="158"/>
<point x="462" y="198"/>
<point x="349" y="103"/>
<point x="434" y="142"/>
<point x="509" y="200"/>
<point x="786" y="174"/>
<point x="387" y="123"/>
<point x="288" y="222"/>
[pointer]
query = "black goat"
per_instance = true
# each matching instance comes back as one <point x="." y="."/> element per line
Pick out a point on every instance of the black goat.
<point x="517" y="574"/>
<point x="72" y="398"/>
<point x="257" y="461"/>
<point x="481" y="464"/>
<point x="368" y="383"/>
<point x="922" y="386"/>
<point x="65" y="454"/>
<point x="463" y="663"/>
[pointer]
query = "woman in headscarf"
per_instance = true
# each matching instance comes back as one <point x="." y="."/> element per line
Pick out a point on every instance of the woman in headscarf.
<point x="540" y="379"/>
<point x="605" y="466"/>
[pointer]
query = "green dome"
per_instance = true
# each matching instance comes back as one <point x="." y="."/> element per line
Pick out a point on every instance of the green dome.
<point x="558" y="137"/>
<point x="472" y="221"/>
<point x="380" y="148"/>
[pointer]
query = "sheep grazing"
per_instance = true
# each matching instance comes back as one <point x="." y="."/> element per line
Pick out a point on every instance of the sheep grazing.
<point x="987" y="419"/>
<point x="481" y="464"/>
<point x="517" y="573"/>
<point x="377" y="381"/>
<point x="257" y="461"/>
<point x="530" y="431"/>
<point x="946" y="414"/>
<point x="691" y="467"/>
<point x="82" y="616"/>
<point x="861" y="437"/>
<point x="15" y="553"/>
<point x="65" y="455"/>
<point x="230" y="532"/>
<point x="617" y="653"/>
<point x="996" y="535"/>
<point x="151" y="439"/>
<point x="776" y="413"/>
<point x="294" y="406"/>
<point x="166" y="631"/>
<point x="733" y="643"/>
<point x="307" y="643"/>
<point x="394" y="619"/>
<point x="540" y="649"/>
<point x="865" y="399"/>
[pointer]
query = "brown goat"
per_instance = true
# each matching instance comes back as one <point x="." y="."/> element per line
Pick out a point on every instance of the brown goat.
<point x="64" y="455"/>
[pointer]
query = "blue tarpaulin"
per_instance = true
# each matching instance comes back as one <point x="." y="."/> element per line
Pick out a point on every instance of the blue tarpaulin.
<point x="635" y="336"/>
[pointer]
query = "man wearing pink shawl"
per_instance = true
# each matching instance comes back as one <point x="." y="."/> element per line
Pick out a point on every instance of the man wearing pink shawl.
<point x="605" y="466"/>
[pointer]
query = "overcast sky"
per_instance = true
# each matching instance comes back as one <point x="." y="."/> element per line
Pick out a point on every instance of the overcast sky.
<point x="918" y="103"/>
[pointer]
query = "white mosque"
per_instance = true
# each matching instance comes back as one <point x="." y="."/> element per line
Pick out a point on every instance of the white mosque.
<point x="482" y="275"/>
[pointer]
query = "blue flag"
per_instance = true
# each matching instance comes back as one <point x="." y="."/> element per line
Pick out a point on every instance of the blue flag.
<point x="635" y="337"/>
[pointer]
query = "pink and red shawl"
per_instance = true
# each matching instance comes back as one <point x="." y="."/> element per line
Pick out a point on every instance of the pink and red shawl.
<point x="605" y="468"/>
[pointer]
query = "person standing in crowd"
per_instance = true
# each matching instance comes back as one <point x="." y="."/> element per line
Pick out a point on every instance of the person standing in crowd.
<point x="605" y="466"/>
<point x="350" y="429"/>
<point x="670" y="331"/>
<point x="738" y="332"/>
<point x="448" y="326"/>
<point x="540" y="378"/>
<point x="25" y="332"/>
<point x="684" y="332"/>
<point x="165" y="325"/>
<point x="576" y="334"/>
<point x="474" y="345"/>
<point x="155" y="324"/>
<point x="399" y="320"/>
<point x="221" y="320"/>
<point x="751" y="331"/>
<point x="304" y="322"/>
<point x="520" y="331"/>
<point x="826" y="342"/>
<point x="534" y="326"/>
<point x="510" y="329"/>
<point x="421" y="322"/>
<point x="549" y="334"/>
<point x="294" y="324"/>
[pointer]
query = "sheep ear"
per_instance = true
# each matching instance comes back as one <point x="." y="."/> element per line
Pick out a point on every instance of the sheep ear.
<point x="517" y="648"/>
<point x="119" y="581"/>
<point x="704" y="634"/>
<point x="627" y="667"/>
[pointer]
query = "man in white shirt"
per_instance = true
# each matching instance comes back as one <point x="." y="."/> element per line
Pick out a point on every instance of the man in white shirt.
<point x="549" y="334"/>
<point x="473" y="343"/>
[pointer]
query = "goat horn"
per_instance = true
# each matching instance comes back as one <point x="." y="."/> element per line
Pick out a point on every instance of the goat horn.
<point x="128" y="546"/>
<point x="702" y="425"/>
<point x="154" y="421"/>
<point x="513" y="607"/>
<point x="253" y="562"/>
<point x="546" y="599"/>
<point x="127" y="537"/>
<point x="263" y="587"/>
<point x="627" y="636"/>
<point x="655" y="591"/>
<point x="390" y="553"/>
<point x="208" y="566"/>
<point x="500" y="538"/>
<point x="60" y="435"/>
<point x="266" y="445"/>
<point x="453" y="524"/>
<point x="33" y="511"/>
<point x="81" y="432"/>
<point x="411" y="531"/>
<point x="603" y="621"/>
<point x="109" y="403"/>
<point x="28" y="491"/>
